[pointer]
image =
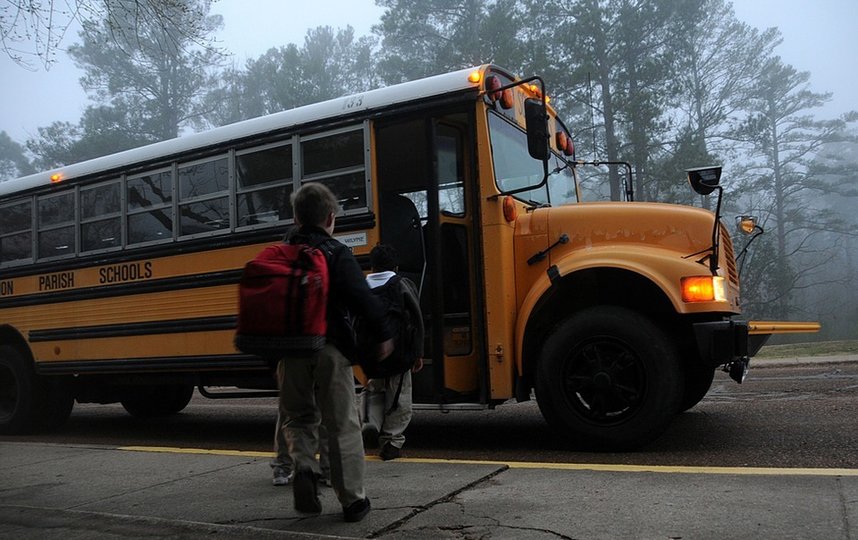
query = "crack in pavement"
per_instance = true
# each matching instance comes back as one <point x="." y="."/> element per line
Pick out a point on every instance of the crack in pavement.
<point x="441" y="500"/>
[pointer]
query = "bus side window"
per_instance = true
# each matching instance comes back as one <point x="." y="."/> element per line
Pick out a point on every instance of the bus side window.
<point x="150" y="207"/>
<point x="203" y="196"/>
<point x="451" y="186"/>
<point x="101" y="224"/>
<point x="16" y="235"/>
<point x="264" y="185"/>
<point x="56" y="225"/>
<point x="338" y="161"/>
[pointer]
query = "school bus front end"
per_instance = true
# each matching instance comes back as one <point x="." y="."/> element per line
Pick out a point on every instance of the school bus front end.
<point x="622" y="324"/>
<point x="621" y="311"/>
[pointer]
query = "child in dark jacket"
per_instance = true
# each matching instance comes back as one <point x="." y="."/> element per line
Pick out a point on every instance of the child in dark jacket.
<point x="386" y="403"/>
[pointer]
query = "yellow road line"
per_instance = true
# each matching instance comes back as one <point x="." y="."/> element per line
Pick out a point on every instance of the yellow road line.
<point x="171" y="450"/>
<point x="601" y="467"/>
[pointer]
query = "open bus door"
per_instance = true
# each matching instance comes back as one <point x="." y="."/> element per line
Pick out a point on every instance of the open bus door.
<point x="425" y="213"/>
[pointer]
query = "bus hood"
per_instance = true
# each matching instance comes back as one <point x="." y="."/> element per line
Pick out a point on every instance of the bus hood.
<point x="662" y="241"/>
<point x="683" y="229"/>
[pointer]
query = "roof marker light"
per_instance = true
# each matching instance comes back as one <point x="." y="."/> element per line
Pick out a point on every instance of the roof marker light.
<point x="504" y="97"/>
<point x="492" y="85"/>
<point x="560" y="140"/>
<point x="506" y="100"/>
<point x="535" y="90"/>
<point x="475" y="77"/>
<point x="56" y="177"/>
<point x="570" y="147"/>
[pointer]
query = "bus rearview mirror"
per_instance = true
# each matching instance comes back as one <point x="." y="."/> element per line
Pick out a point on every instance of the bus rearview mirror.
<point x="536" y="120"/>
<point x="704" y="180"/>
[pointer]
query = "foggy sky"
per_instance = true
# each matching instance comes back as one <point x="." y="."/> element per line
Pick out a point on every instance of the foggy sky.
<point x="819" y="37"/>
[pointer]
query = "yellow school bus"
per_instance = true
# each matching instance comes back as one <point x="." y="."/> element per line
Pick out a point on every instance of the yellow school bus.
<point x="118" y="275"/>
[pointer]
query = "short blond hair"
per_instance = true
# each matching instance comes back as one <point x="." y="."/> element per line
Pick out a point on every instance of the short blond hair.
<point x="313" y="203"/>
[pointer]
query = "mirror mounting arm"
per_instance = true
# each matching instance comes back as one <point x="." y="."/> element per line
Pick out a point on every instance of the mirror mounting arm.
<point x="705" y="180"/>
<point x="716" y="233"/>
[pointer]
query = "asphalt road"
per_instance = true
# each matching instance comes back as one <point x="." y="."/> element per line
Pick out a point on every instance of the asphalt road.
<point x="795" y="416"/>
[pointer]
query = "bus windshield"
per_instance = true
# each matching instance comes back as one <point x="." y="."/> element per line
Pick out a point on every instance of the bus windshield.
<point x="514" y="168"/>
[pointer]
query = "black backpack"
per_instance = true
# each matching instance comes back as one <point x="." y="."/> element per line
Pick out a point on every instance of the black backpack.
<point x="404" y="330"/>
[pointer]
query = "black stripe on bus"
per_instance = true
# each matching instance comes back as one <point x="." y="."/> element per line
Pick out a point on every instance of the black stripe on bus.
<point x="206" y="324"/>
<point x="178" y="283"/>
<point x="142" y="365"/>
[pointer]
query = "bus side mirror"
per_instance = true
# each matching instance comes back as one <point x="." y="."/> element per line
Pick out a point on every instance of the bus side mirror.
<point x="536" y="122"/>
<point x="704" y="180"/>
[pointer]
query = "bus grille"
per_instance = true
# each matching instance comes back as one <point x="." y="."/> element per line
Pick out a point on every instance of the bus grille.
<point x="729" y="256"/>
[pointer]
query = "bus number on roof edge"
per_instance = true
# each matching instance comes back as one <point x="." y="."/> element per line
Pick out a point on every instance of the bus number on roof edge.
<point x="352" y="102"/>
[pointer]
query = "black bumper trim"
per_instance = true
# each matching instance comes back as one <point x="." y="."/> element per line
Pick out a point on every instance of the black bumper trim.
<point x="204" y="324"/>
<point x="721" y="342"/>
<point x="155" y="365"/>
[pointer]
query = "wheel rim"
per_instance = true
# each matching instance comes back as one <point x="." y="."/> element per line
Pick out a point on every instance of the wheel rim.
<point x="8" y="393"/>
<point x="604" y="381"/>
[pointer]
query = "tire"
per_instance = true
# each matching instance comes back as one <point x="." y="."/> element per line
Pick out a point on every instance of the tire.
<point x="157" y="400"/>
<point x="29" y="402"/>
<point x="698" y="381"/>
<point x="609" y="379"/>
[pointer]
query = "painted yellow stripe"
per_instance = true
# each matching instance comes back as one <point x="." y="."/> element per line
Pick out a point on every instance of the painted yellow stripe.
<point x="172" y="450"/>
<point x="601" y="467"/>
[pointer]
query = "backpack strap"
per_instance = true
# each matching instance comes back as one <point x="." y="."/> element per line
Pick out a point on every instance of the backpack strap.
<point x="395" y="283"/>
<point x="320" y="242"/>
<point x="395" y="404"/>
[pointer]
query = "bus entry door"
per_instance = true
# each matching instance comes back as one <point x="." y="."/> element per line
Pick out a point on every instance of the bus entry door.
<point x="424" y="213"/>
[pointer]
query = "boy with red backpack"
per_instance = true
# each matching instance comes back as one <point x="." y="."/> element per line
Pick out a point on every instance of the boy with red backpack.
<point x="315" y="377"/>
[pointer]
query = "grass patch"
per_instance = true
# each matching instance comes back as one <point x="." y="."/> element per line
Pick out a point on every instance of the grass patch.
<point x="821" y="348"/>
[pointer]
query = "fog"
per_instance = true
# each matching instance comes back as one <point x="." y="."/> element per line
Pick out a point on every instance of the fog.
<point x="819" y="37"/>
<point x="32" y="97"/>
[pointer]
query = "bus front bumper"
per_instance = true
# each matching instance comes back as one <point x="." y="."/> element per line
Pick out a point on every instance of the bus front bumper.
<point x="732" y="343"/>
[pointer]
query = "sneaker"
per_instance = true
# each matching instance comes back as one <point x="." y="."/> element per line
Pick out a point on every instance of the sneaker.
<point x="305" y="489"/>
<point x="388" y="452"/>
<point x="281" y="477"/>
<point x="370" y="436"/>
<point x="356" y="511"/>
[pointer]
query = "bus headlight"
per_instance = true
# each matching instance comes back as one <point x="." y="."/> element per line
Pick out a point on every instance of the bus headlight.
<point x="704" y="289"/>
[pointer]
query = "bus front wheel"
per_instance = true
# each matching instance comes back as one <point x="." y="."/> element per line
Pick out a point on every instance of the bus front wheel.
<point x="157" y="400"/>
<point x="609" y="379"/>
<point x="698" y="381"/>
<point x="29" y="402"/>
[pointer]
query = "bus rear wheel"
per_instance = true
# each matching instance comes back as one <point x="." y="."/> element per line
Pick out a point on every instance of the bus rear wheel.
<point x="609" y="379"/>
<point x="29" y="402"/>
<point x="157" y="400"/>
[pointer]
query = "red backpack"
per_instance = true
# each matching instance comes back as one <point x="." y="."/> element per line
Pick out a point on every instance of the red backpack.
<point x="282" y="302"/>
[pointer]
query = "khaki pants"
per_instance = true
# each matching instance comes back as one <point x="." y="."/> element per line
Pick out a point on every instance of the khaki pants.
<point x="323" y="385"/>
<point x="281" y="449"/>
<point x="376" y="402"/>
